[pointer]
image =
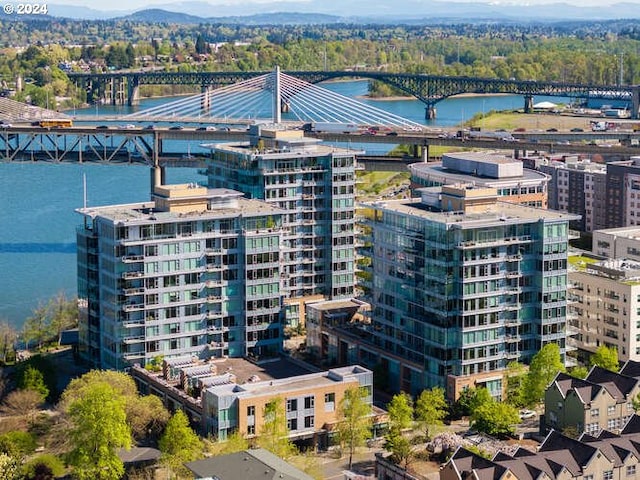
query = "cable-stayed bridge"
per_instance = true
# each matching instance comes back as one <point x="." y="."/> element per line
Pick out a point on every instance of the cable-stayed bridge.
<point x="270" y="96"/>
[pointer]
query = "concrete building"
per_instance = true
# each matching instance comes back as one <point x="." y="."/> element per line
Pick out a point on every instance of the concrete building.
<point x="602" y="401"/>
<point x="192" y="272"/>
<point x="578" y="186"/>
<point x="605" y="307"/>
<point x="495" y="170"/>
<point x="227" y="395"/>
<point x="605" y="196"/>
<point x="617" y="243"/>
<point x="462" y="285"/>
<point x="315" y="185"/>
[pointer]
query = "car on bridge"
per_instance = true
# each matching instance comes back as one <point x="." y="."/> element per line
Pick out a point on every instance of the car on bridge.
<point x="176" y="127"/>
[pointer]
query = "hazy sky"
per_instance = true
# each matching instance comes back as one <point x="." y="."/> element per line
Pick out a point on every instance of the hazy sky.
<point x="138" y="4"/>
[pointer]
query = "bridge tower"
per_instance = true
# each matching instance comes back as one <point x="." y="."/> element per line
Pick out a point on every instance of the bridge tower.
<point x="277" y="97"/>
<point x="205" y="102"/>
<point x="430" y="111"/>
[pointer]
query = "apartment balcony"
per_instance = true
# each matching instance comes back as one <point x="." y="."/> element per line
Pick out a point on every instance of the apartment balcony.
<point x="213" y="283"/>
<point x="511" y="354"/>
<point x="210" y="252"/>
<point x="133" y="355"/>
<point x="214" y="315"/>
<point x="134" y="291"/>
<point x="513" y="274"/>
<point x="136" y="307"/>
<point x="214" y="330"/>
<point x="133" y="323"/>
<point x="512" y="338"/>
<point x="513" y="258"/>
<point x="213" y="299"/>
<point x="130" y="275"/>
<point x="132" y="258"/>
<point x="137" y="339"/>
<point x="210" y="267"/>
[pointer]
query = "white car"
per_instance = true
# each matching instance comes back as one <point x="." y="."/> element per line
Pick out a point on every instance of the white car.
<point x="524" y="414"/>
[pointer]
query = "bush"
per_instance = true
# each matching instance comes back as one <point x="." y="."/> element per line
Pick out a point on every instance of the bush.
<point x="17" y="444"/>
<point x="43" y="467"/>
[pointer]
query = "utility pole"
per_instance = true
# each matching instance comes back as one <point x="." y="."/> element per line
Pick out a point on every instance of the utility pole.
<point x="621" y="69"/>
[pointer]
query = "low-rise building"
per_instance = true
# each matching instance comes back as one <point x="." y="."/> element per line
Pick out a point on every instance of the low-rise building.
<point x="607" y="456"/>
<point x="224" y="396"/>
<point x="602" y="401"/>
<point x="617" y="243"/>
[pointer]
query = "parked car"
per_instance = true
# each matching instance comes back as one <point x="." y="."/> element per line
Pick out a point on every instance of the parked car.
<point x="552" y="129"/>
<point x="577" y="130"/>
<point x="524" y="414"/>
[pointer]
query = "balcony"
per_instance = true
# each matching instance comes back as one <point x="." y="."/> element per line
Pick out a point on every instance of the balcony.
<point x="134" y="339"/>
<point x="513" y="274"/>
<point x="130" y="275"/>
<point x="133" y="307"/>
<point x="213" y="283"/>
<point x="209" y="252"/>
<point x="514" y="258"/>
<point x="214" y="315"/>
<point x="133" y="323"/>
<point x="210" y="267"/>
<point x="213" y="299"/>
<point x="134" y="291"/>
<point x="132" y="258"/>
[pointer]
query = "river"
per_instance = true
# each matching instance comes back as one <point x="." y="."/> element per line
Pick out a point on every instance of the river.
<point x="37" y="218"/>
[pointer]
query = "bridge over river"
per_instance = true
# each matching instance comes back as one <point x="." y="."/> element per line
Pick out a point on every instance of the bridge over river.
<point x="123" y="87"/>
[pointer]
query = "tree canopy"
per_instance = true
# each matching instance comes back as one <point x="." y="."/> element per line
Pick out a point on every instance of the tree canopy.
<point x="606" y="357"/>
<point x="431" y="409"/>
<point x="355" y="420"/>
<point x="543" y="368"/>
<point x="179" y="443"/>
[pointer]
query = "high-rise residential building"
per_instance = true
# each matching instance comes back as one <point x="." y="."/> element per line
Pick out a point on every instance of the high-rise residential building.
<point x="315" y="185"/>
<point x="578" y="186"/>
<point x="193" y="272"/>
<point x="463" y="284"/>
<point x="605" y="307"/>
<point x="513" y="182"/>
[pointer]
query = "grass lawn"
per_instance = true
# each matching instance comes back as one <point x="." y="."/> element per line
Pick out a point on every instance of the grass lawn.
<point x="531" y="121"/>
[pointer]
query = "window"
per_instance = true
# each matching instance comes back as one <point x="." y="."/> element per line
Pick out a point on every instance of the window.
<point x="251" y="429"/>
<point x="595" y="412"/>
<point x="251" y="411"/>
<point x="329" y="402"/>
<point x="309" y="421"/>
<point x="292" y="424"/>
<point x="587" y="477"/>
<point x="309" y="402"/>
<point x="607" y="475"/>
<point x="631" y="470"/>
<point x="611" y="410"/>
<point x="292" y="405"/>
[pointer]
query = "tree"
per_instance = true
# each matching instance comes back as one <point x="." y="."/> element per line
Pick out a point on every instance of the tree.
<point x="355" y="414"/>
<point x="400" y="410"/>
<point x="274" y="435"/>
<point x="99" y="428"/>
<point x="33" y="380"/>
<point x="179" y="443"/>
<point x="22" y="403"/>
<point x="9" y="469"/>
<point x="606" y="357"/>
<point x="543" y="368"/>
<point x="495" y="418"/>
<point x="17" y="444"/>
<point x="236" y="442"/>
<point x="431" y="409"/>
<point x="8" y="335"/>
<point x="400" y="447"/>
<point x="43" y="467"/>
<point x="579" y="372"/>
<point x="146" y="416"/>
<point x="515" y="377"/>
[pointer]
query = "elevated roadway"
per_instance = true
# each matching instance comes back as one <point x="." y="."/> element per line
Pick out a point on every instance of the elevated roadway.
<point x="153" y="147"/>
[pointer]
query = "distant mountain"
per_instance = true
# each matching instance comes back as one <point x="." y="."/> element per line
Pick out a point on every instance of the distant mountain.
<point x="356" y="11"/>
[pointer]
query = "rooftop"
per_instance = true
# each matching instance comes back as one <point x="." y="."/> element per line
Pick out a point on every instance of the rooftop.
<point x="498" y="213"/>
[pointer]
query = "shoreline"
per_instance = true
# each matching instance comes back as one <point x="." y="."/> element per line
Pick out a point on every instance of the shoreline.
<point x="402" y="98"/>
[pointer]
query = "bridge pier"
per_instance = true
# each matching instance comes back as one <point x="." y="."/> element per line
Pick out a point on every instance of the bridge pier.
<point x="528" y="103"/>
<point x="133" y="91"/>
<point x="430" y="112"/>
<point x="205" y="99"/>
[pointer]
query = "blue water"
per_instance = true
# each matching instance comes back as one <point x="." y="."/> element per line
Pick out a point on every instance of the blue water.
<point x="37" y="201"/>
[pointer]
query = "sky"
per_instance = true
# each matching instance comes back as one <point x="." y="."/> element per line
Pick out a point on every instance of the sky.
<point x="139" y="4"/>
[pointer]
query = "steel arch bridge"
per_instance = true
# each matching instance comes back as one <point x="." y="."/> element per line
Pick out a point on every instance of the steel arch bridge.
<point x="122" y="87"/>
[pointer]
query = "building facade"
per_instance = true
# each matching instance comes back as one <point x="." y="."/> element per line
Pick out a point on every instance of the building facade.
<point x="315" y="185"/>
<point x="602" y="401"/>
<point x="462" y="285"/>
<point x="193" y="272"/>
<point x="605" y="308"/>
<point x="617" y="243"/>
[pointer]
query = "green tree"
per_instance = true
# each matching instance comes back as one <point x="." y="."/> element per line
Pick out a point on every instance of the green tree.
<point x="146" y="416"/>
<point x="495" y="418"/>
<point x="43" y="467"/>
<point x="400" y="447"/>
<point x="355" y="420"/>
<point x="400" y="410"/>
<point x="274" y="435"/>
<point x="99" y="428"/>
<point x="9" y="467"/>
<point x="33" y="380"/>
<point x="17" y="444"/>
<point x="606" y="357"/>
<point x="179" y="443"/>
<point x="431" y="409"/>
<point x="579" y="372"/>
<point x="515" y="376"/>
<point x="236" y="442"/>
<point x="543" y="368"/>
